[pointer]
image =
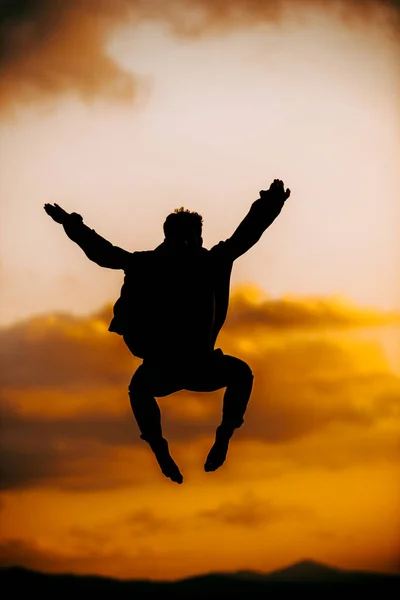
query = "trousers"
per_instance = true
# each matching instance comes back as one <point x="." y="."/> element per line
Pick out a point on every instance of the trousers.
<point x="207" y="373"/>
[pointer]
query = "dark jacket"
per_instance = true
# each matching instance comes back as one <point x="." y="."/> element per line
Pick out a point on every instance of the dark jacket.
<point x="171" y="302"/>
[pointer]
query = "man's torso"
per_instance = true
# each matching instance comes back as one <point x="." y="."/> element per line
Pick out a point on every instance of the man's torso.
<point x="173" y="302"/>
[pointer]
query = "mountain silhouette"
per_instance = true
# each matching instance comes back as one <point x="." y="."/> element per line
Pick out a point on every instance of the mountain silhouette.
<point x="309" y="570"/>
<point x="304" y="576"/>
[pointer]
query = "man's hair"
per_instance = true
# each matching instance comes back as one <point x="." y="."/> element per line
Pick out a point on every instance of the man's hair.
<point x="182" y="221"/>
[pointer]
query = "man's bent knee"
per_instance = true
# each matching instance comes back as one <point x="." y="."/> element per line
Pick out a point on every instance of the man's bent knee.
<point x="138" y="385"/>
<point x="242" y="373"/>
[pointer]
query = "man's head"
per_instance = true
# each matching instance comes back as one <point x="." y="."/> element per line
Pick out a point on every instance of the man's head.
<point x="184" y="228"/>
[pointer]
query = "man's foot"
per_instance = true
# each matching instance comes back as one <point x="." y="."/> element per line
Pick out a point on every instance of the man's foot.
<point x="167" y="464"/>
<point x="217" y="455"/>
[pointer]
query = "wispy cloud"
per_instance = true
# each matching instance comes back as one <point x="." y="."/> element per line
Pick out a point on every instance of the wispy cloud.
<point x="254" y="512"/>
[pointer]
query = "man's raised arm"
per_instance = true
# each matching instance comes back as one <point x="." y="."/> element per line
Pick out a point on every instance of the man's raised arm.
<point x="261" y="215"/>
<point x="98" y="249"/>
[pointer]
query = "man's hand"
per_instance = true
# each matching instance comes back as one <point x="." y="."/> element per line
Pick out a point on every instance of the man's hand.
<point x="58" y="214"/>
<point x="276" y="192"/>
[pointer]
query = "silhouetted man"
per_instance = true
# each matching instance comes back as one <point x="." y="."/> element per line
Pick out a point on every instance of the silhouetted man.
<point x="173" y="303"/>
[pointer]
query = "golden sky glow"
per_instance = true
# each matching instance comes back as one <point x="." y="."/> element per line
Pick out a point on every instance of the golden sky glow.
<point x="209" y="116"/>
<point x="312" y="472"/>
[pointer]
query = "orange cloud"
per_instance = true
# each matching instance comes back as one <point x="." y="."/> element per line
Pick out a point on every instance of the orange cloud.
<point x="45" y="351"/>
<point x="62" y="350"/>
<point x="65" y="408"/>
<point x="249" y="309"/>
<point x="33" y="555"/>
<point x="252" y="512"/>
<point x="51" y="48"/>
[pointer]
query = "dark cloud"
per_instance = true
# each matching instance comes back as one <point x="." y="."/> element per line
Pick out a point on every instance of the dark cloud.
<point x="62" y="350"/>
<point x="83" y="451"/>
<point x="138" y="524"/>
<point x="307" y="385"/>
<point x="51" y="47"/>
<point x="253" y="512"/>
<point x="87" y="540"/>
<point x="144" y="522"/>
<point x="113" y="563"/>
<point x="304" y="385"/>
<point x="294" y="313"/>
<point x="98" y="452"/>
<point x="67" y="452"/>
<point x="20" y="552"/>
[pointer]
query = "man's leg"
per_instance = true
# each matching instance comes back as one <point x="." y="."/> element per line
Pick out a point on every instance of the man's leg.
<point x="144" y="385"/>
<point x="236" y="375"/>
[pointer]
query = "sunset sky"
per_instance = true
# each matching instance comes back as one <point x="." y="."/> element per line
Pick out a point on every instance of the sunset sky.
<point x="123" y="112"/>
